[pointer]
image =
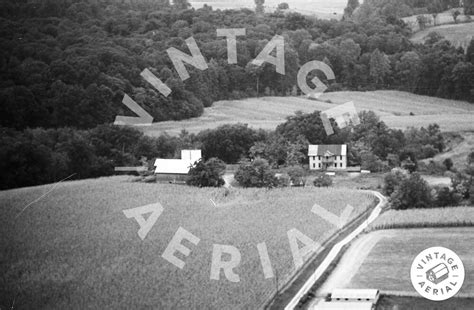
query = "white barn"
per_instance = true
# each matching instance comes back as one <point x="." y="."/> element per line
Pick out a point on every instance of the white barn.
<point x="327" y="157"/>
<point x="177" y="169"/>
<point x="371" y="295"/>
<point x="350" y="299"/>
<point x="336" y="305"/>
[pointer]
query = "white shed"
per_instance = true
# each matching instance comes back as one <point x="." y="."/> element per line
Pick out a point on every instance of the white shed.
<point x="344" y="305"/>
<point x="355" y="295"/>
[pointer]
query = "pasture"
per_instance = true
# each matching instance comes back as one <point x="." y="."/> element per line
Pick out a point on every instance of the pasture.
<point x="324" y="9"/>
<point x="393" y="107"/>
<point x="457" y="34"/>
<point x="75" y="248"/>
<point x="458" y="150"/>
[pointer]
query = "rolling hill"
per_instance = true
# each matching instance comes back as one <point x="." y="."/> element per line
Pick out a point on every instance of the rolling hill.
<point x="75" y="249"/>
<point x="393" y="107"/>
<point x="458" y="34"/>
<point x="324" y="9"/>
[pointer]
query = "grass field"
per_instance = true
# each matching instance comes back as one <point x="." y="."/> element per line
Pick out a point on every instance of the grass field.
<point x="420" y="303"/>
<point x="457" y="34"/>
<point x="324" y="9"/>
<point x="394" y="108"/>
<point x="455" y="216"/>
<point x="458" y="151"/>
<point x="75" y="249"/>
<point x="389" y="254"/>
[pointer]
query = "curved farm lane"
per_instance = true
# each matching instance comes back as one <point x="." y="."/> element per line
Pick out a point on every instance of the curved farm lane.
<point x="329" y="257"/>
<point x="349" y="264"/>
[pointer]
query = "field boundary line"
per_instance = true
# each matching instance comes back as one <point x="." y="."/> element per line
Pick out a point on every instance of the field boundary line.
<point x="336" y="249"/>
<point x="415" y="294"/>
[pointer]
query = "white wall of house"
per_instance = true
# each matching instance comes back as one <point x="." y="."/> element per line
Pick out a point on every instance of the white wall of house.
<point x="317" y="162"/>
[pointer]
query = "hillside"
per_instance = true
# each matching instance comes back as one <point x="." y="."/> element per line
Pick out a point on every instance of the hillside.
<point x="394" y="108"/>
<point x="324" y="9"/>
<point x="459" y="35"/>
<point x="75" y="248"/>
<point x="457" y="151"/>
<point x="444" y="18"/>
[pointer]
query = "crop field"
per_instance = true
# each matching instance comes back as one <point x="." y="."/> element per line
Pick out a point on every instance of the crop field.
<point x="393" y="107"/>
<point x="454" y="216"/>
<point x="409" y="302"/>
<point x="382" y="259"/>
<point x="74" y="248"/>
<point x="457" y="34"/>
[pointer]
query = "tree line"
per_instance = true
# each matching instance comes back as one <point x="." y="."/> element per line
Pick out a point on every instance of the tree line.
<point x="37" y="156"/>
<point x="69" y="63"/>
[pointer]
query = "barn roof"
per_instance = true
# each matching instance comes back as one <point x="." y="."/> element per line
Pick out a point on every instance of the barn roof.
<point x="178" y="166"/>
<point x="321" y="150"/>
<point x="354" y="294"/>
<point x="175" y="166"/>
<point x="343" y="305"/>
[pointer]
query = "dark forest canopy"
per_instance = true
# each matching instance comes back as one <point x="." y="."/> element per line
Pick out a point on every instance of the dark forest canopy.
<point x="69" y="63"/>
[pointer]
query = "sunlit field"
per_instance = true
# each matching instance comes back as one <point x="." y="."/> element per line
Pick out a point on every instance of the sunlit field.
<point x="456" y="34"/>
<point x="393" y="107"/>
<point x="325" y="9"/>
<point x="75" y="248"/>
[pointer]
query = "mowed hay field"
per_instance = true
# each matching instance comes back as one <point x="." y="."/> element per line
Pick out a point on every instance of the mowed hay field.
<point x="323" y="9"/>
<point x="75" y="249"/>
<point x="382" y="259"/>
<point x="455" y="33"/>
<point x="393" y="107"/>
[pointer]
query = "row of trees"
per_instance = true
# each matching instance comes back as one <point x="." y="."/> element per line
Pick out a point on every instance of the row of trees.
<point x="69" y="63"/>
<point x="412" y="191"/>
<point x="36" y="156"/>
<point x="402" y="8"/>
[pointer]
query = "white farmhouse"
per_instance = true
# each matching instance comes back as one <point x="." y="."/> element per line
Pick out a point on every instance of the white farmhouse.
<point x="327" y="157"/>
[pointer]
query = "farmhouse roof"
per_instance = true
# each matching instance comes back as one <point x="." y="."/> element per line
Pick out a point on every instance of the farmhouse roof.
<point x="178" y="166"/>
<point x="321" y="150"/>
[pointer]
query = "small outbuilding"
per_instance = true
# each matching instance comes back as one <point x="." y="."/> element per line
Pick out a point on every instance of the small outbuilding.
<point x="346" y="305"/>
<point x="371" y="295"/>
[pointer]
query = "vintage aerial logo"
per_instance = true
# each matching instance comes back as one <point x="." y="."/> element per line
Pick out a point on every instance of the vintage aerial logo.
<point x="437" y="273"/>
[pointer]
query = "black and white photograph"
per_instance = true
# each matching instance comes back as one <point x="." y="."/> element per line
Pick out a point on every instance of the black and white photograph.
<point x="252" y="154"/>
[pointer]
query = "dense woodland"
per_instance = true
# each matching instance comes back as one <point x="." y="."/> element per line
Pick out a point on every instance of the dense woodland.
<point x="69" y="63"/>
<point x="66" y="65"/>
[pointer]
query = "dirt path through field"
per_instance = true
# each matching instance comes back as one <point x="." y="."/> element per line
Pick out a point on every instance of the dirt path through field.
<point x="382" y="259"/>
<point x="350" y="263"/>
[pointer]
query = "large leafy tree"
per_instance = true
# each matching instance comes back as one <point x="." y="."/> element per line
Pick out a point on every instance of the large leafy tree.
<point x="413" y="192"/>
<point x="207" y="173"/>
<point x="229" y="143"/>
<point x="468" y="7"/>
<point x="255" y="174"/>
<point x="309" y="126"/>
<point x="379" y="67"/>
